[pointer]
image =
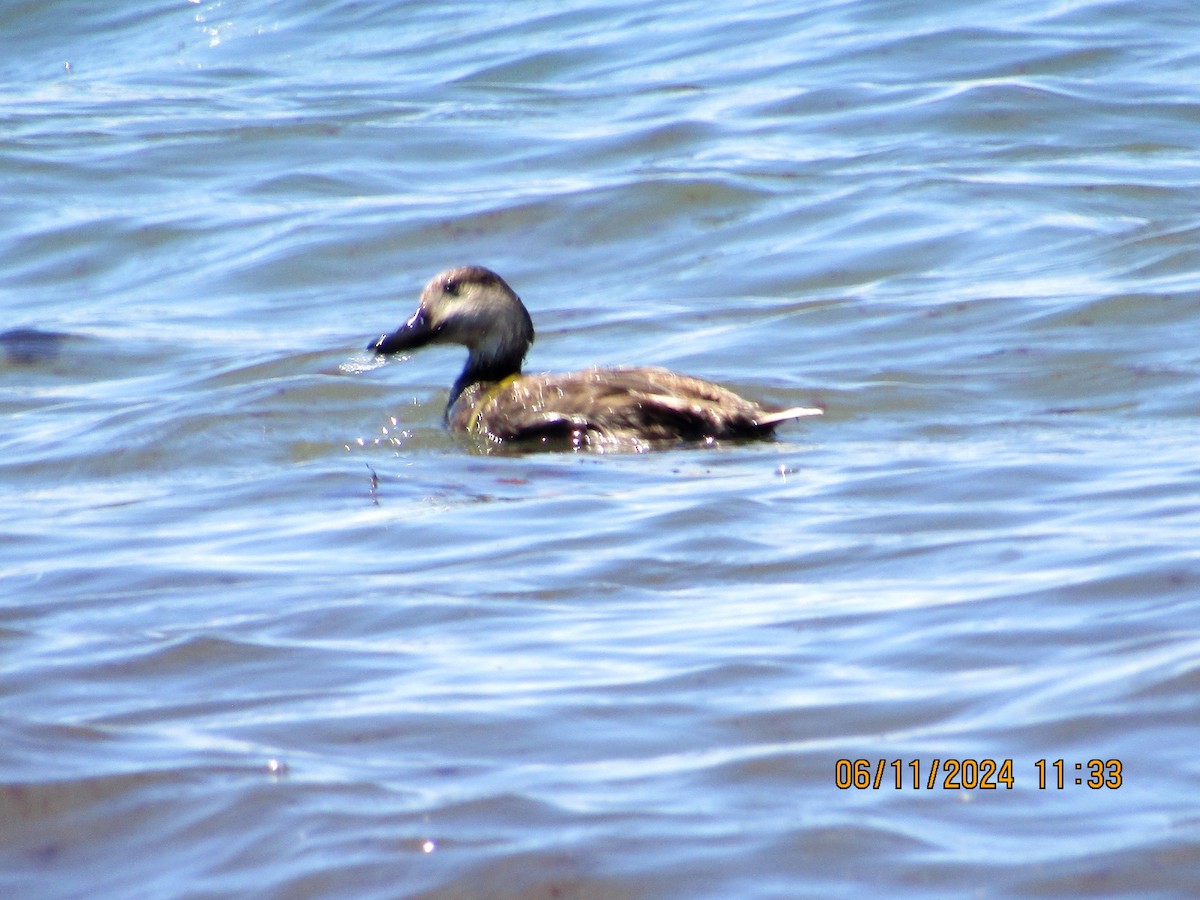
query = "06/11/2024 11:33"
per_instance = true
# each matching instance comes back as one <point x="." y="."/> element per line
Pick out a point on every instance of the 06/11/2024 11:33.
<point x="972" y="774"/>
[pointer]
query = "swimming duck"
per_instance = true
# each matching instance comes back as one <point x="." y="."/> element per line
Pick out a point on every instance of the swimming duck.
<point x="597" y="408"/>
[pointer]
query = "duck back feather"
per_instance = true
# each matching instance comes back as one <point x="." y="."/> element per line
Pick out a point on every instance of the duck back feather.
<point x="613" y="408"/>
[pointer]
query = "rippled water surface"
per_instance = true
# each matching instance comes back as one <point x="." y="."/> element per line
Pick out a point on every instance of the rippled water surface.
<point x="267" y="630"/>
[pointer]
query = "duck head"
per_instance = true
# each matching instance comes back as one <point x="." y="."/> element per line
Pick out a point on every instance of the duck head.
<point x="475" y="307"/>
<point x="470" y="305"/>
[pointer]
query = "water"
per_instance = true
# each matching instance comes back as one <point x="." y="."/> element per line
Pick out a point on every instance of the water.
<point x="267" y="629"/>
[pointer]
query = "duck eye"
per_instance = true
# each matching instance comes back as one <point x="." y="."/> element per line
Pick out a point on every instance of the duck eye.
<point x="451" y="287"/>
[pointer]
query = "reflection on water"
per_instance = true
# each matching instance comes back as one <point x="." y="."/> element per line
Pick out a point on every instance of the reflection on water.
<point x="28" y="346"/>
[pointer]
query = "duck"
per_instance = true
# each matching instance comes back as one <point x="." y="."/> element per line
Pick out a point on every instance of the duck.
<point x="601" y="408"/>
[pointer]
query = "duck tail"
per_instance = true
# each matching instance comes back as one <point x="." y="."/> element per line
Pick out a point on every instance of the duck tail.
<point x="771" y="419"/>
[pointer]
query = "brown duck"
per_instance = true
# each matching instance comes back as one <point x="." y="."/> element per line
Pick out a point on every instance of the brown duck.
<point x="615" y="408"/>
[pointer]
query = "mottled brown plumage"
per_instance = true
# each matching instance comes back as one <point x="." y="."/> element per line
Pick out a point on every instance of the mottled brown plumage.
<point x="631" y="408"/>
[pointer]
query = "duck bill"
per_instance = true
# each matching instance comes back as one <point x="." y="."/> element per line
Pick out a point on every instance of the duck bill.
<point x="416" y="332"/>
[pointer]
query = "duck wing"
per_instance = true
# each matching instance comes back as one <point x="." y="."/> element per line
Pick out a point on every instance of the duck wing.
<point x="621" y="406"/>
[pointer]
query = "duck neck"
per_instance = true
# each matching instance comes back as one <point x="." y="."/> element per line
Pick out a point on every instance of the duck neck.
<point x="484" y="370"/>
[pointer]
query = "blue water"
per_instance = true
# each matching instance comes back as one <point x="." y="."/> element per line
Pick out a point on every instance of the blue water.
<point x="267" y="629"/>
